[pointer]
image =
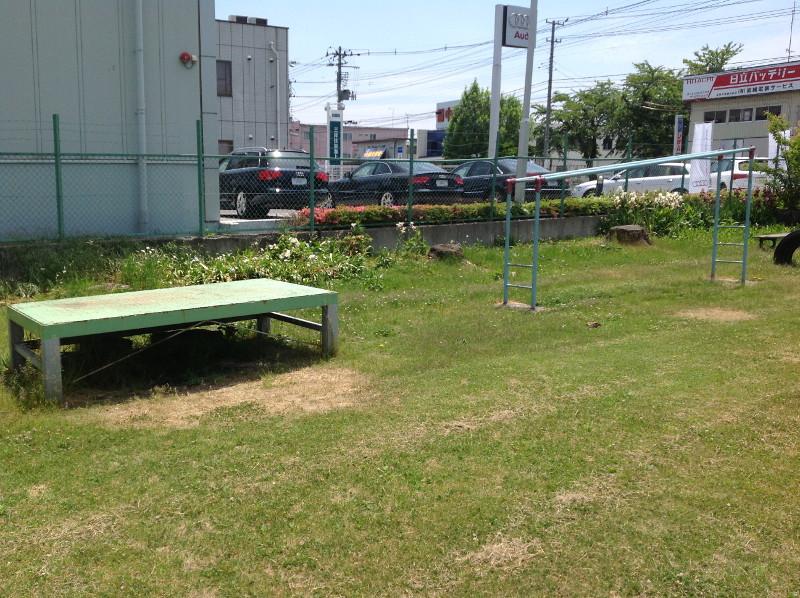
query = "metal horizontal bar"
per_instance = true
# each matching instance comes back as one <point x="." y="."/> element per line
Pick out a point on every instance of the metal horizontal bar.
<point x="296" y="321"/>
<point x="519" y="286"/>
<point x="521" y="265"/>
<point x="729" y="261"/>
<point x="732" y="244"/>
<point x="557" y="176"/>
<point x="24" y="350"/>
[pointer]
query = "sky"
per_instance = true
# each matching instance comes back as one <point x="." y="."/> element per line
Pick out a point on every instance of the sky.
<point x="600" y="41"/>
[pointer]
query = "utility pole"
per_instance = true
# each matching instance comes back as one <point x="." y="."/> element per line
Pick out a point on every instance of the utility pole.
<point x="338" y="58"/>
<point x="553" y="42"/>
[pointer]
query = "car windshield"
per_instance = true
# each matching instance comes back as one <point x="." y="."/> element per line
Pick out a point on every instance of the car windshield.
<point x="418" y="167"/>
<point x="509" y="165"/>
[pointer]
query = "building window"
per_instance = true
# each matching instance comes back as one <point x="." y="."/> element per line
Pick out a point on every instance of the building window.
<point x="738" y="115"/>
<point x="714" y="116"/>
<point x="224" y="80"/>
<point x="225" y="146"/>
<point x="761" y="113"/>
<point x="608" y="143"/>
<point x="348" y="136"/>
<point x="373" y="136"/>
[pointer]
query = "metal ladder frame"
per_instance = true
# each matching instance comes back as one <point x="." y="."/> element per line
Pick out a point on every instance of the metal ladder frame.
<point x="744" y="227"/>
<point x="558" y="176"/>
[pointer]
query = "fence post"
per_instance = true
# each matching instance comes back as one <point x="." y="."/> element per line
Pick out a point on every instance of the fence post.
<point x="59" y="180"/>
<point x="564" y="143"/>
<point x="312" y="180"/>
<point x="494" y="177"/>
<point x="201" y="181"/>
<point x="733" y="168"/>
<point x="628" y="156"/>
<point x="410" y="204"/>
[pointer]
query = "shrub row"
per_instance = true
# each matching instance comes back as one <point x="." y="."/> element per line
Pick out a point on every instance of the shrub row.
<point x="434" y="214"/>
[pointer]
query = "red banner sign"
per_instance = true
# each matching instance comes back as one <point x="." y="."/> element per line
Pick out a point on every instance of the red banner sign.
<point x="769" y="79"/>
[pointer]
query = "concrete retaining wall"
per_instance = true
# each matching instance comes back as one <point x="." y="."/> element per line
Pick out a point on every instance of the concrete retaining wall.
<point x="488" y="232"/>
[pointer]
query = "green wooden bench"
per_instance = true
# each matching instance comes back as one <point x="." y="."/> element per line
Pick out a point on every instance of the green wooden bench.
<point x="65" y="321"/>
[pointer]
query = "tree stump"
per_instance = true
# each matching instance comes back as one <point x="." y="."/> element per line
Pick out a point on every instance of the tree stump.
<point x="442" y="251"/>
<point x="629" y="234"/>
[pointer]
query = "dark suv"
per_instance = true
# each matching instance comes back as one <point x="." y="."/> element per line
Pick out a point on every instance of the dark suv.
<point x="255" y="180"/>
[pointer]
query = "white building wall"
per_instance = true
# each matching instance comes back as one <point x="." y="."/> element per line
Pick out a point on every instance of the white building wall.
<point x="75" y="58"/>
<point x="257" y="114"/>
<point x="754" y="132"/>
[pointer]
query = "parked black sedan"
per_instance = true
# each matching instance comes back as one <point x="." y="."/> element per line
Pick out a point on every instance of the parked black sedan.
<point x="386" y="183"/>
<point x="477" y="175"/>
<point x="254" y="180"/>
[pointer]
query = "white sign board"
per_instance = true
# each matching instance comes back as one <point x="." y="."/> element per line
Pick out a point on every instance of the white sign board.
<point x="700" y="170"/>
<point x="515" y="26"/>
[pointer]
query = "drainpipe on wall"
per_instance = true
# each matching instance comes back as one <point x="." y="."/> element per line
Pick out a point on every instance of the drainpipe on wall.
<point x="141" y="120"/>
<point x="277" y="92"/>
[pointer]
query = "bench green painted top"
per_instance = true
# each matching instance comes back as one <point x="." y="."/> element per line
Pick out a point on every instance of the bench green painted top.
<point x="117" y="312"/>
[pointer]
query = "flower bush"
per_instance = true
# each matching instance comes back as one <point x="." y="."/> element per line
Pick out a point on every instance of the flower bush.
<point x="667" y="214"/>
<point x="289" y="258"/>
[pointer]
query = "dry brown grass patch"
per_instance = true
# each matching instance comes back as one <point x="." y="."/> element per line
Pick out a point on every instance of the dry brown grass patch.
<point x="469" y="425"/>
<point x="308" y="390"/>
<point x="715" y="314"/>
<point x="504" y="553"/>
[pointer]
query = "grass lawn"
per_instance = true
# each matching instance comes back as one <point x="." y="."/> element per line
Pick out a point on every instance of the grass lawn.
<point x="450" y="448"/>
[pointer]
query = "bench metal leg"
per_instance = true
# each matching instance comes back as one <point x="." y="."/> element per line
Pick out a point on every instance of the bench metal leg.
<point x="330" y="329"/>
<point x="51" y="369"/>
<point x="263" y="323"/>
<point x="16" y="334"/>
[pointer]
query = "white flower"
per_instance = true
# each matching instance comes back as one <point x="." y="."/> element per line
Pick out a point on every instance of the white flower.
<point x="294" y="240"/>
<point x="400" y="225"/>
<point x="312" y="257"/>
<point x="353" y="224"/>
<point x="286" y="254"/>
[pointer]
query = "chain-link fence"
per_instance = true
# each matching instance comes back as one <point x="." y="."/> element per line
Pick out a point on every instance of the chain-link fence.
<point x="57" y="195"/>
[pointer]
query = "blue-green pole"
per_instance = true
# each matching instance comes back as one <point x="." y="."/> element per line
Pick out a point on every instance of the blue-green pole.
<point x="746" y="234"/>
<point x="410" y="201"/>
<point x="59" y="180"/>
<point x="493" y="192"/>
<point x="507" y="245"/>
<point x="716" y="220"/>
<point x="312" y="179"/>
<point x="563" y="181"/>
<point x="535" y="265"/>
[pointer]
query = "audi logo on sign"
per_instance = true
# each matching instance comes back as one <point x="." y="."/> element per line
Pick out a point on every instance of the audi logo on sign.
<point x="517" y="20"/>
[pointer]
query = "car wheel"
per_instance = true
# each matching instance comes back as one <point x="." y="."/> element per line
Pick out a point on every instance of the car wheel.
<point x="327" y="202"/>
<point x="722" y="187"/>
<point x="590" y="193"/>
<point x="680" y="190"/>
<point x="243" y="207"/>
<point x="387" y="199"/>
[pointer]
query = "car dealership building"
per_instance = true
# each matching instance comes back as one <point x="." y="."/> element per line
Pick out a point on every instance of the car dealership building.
<point x="737" y="102"/>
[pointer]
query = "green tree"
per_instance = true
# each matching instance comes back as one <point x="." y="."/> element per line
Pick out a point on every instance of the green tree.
<point x="586" y="117"/>
<point x="651" y="97"/>
<point x="784" y="177"/>
<point x="468" y="130"/>
<point x="707" y="60"/>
